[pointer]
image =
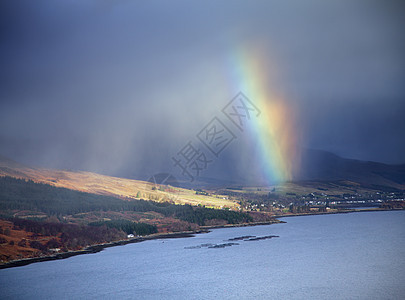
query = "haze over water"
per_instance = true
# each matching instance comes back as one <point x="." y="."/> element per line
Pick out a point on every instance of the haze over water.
<point x="344" y="256"/>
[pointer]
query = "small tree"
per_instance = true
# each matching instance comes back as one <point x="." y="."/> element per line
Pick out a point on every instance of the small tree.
<point x="22" y="243"/>
<point x="53" y="243"/>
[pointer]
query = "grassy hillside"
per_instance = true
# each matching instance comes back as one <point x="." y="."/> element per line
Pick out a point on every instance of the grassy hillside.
<point x="317" y="165"/>
<point x="37" y="218"/>
<point x="19" y="194"/>
<point x="110" y="186"/>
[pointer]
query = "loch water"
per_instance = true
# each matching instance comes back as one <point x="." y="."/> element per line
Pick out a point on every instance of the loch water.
<point x="341" y="256"/>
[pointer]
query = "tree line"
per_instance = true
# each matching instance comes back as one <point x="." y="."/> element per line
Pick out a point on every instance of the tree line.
<point x="128" y="227"/>
<point x="66" y="236"/>
<point x="20" y="194"/>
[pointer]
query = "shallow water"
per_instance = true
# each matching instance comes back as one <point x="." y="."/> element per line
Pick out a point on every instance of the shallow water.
<point x="343" y="256"/>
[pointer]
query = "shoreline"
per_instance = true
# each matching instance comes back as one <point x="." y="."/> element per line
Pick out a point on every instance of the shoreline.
<point x="97" y="248"/>
<point x="184" y="234"/>
<point x="347" y="211"/>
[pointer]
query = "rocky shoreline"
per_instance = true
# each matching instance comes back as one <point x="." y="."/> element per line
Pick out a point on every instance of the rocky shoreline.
<point x="346" y="211"/>
<point x="184" y="234"/>
<point x="97" y="248"/>
<point x="100" y="247"/>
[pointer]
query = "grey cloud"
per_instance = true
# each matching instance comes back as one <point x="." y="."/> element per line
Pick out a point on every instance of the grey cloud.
<point x="119" y="87"/>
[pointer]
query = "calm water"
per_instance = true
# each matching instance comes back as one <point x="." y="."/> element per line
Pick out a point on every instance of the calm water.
<point x="346" y="256"/>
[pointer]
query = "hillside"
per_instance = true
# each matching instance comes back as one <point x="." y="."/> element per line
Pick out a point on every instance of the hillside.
<point x="325" y="166"/>
<point x="37" y="218"/>
<point x="317" y="168"/>
<point x="110" y="186"/>
<point x="45" y="210"/>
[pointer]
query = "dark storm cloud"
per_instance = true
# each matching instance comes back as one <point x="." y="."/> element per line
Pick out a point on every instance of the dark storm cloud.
<point x="118" y="87"/>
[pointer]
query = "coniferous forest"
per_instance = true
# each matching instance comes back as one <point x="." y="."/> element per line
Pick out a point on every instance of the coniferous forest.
<point x="47" y="223"/>
<point x="19" y="194"/>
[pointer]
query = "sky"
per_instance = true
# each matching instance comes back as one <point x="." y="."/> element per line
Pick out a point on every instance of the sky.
<point x="120" y="87"/>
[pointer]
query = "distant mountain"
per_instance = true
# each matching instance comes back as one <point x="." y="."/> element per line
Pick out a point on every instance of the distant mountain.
<point x="325" y="166"/>
<point x="5" y="162"/>
<point x="316" y="166"/>
<point x="319" y="166"/>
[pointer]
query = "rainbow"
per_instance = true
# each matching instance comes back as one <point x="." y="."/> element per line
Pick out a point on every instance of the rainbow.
<point x="273" y="131"/>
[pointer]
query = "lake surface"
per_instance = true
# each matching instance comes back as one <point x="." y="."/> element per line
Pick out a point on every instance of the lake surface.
<point x="343" y="256"/>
